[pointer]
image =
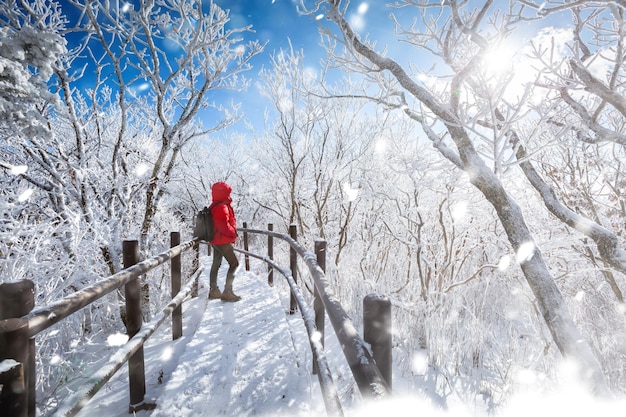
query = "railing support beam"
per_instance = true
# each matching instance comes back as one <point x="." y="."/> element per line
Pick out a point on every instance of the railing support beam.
<point x="17" y="299"/>
<point x="293" y="264"/>
<point x="245" y="247"/>
<point x="14" y="396"/>
<point x="270" y="255"/>
<point x="195" y="264"/>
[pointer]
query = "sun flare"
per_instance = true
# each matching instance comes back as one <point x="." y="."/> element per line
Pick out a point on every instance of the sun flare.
<point x="499" y="58"/>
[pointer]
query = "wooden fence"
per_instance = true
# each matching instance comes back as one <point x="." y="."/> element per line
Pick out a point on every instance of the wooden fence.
<point x="371" y="372"/>
<point x="20" y="322"/>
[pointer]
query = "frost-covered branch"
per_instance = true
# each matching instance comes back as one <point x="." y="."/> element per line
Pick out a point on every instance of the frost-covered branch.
<point x="549" y="298"/>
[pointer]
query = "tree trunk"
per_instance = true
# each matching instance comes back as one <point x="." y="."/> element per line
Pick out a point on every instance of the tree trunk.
<point x="549" y="299"/>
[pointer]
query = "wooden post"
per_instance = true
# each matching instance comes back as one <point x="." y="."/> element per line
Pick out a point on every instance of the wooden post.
<point x="177" y="314"/>
<point x="194" y="266"/>
<point x="16" y="300"/>
<point x="293" y="264"/>
<point x="195" y="263"/>
<point x="270" y="255"/>
<point x="14" y="346"/>
<point x="245" y="247"/>
<point x="377" y="332"/>
<point x="136" y="369"/>
<point x="318" y="305"/>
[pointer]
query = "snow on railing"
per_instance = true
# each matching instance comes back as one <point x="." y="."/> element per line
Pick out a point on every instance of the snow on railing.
<point x="329" y="392"/>
<point x="366" y="373"/>
<point x="19" y="323"/>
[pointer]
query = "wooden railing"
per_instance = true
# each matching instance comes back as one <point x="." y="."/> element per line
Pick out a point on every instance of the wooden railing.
<point x="371" y="372"/>
<point x="20" y="323"/>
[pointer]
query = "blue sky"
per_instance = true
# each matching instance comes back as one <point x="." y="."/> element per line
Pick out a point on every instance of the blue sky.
<point x="276" y="22"/>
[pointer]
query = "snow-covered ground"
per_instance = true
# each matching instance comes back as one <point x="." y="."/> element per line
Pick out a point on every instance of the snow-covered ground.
<point x="241" y="362"/>
<point x="251" y="358"/>
<point x="248" y="358"/>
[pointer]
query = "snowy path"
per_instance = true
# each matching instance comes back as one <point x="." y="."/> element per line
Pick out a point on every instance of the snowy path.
<point x="241" y="361"/>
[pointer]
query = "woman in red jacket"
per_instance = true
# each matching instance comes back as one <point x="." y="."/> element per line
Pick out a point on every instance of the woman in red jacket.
<point x="225" y="226"/>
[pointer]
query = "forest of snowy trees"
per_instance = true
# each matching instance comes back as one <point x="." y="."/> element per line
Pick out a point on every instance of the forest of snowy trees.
<point x="466" y="159"/>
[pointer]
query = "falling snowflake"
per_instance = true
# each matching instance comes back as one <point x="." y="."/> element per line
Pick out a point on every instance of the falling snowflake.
<point x="351" y="192"/>
<point x="25" y="195"/>
<point x="525" y="252"/>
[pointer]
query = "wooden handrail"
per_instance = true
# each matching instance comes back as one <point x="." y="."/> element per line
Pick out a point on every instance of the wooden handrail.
<point x="43" y="317"/>
<point x="365" y="372"/>
<point x="22" y="402"/>
<point x="325" y="378"/>
<point x="73" y="404"/>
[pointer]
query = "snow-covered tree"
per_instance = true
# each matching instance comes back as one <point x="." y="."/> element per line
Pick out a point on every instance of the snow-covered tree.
<point x="29" y="53"/>
<point x="583" y="80"/>
<point x="472" y="118"/>
<point x="140" y="82"/>
<point x="151" y="78"/>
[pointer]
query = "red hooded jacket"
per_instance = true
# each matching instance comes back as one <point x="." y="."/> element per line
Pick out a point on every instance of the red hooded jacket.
<point x="224" y="220"/>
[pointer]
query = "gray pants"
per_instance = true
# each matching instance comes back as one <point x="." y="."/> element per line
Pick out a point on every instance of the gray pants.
<point x="219" y="252"/>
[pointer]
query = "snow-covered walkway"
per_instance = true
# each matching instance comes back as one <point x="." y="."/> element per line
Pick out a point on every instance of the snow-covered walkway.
<point x="241" y="362"/>
<point x="248" y="358"/>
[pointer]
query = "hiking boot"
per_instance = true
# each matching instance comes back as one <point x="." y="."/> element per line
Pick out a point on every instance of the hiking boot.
<point x="230" y="296"/>
<point x="215" y="293"/>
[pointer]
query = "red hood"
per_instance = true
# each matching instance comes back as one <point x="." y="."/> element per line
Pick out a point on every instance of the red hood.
<point x="220" y="191"/>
